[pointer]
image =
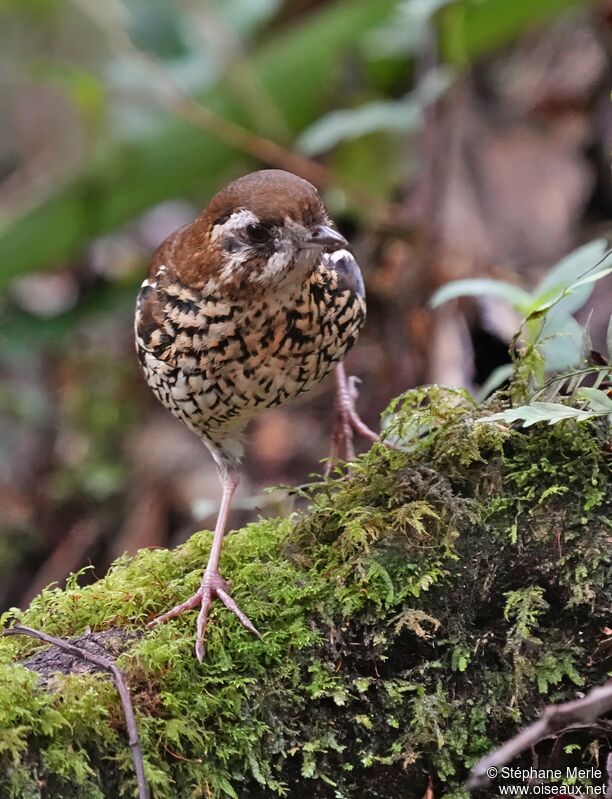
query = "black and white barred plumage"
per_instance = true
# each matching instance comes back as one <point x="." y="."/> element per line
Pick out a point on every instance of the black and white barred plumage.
<point x="245" y="310"/>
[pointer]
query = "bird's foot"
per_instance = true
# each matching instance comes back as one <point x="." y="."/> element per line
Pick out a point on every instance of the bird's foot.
<point x="348" y="422"/>
<point x="213" y="586"/>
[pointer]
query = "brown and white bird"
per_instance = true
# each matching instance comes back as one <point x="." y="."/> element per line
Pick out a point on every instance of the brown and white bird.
<point x="247" y="307"/>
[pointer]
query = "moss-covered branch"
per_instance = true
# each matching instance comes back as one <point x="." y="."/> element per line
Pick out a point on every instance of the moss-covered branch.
<point x="416" y="615"/>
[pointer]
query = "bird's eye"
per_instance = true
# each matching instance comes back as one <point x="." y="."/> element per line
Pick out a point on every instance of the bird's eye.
<point x="258" y="233"/>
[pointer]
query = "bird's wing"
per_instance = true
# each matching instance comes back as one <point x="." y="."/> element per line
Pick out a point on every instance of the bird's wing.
<point x="348" y="273"/>
<point x="151" y="334"/>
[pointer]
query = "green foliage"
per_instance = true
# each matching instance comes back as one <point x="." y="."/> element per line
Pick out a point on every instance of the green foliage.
<point x="524" y="608"/>
<point x="470" y="28"/>
<point x="443" y="419"/>
<point x="544" y="345"/>
<point x="579" y="403"/>
<point x="365" y="678"/>
<point x="143" y="154"/>
<point x="552" y="337"/>
<point x="392" y="116"/>
<point x="173" y="159"/>
<point x="466" y="28"/>
<point x="596" y="403"/>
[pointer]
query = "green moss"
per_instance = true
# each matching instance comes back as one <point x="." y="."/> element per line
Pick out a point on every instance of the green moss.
<point x="423" y="607"/>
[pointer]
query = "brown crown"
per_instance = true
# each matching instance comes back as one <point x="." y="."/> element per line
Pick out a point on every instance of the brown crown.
<point x="271" y="194"/>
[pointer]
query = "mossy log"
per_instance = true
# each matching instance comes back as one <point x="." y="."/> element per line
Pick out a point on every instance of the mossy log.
<point x="424" y="607"/>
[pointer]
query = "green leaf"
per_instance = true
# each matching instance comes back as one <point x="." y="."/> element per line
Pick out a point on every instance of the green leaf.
<point x="226" y="787"/>
<point x="392" y="116"/>
<point x="460" y="658"/>
<point x="592" y="278"/>
<point x="598" y="401"/>
<point x="495" y="380"/>
<point x="568" y="270"/>
<point x="395" y="116"/>
<point x="407" y="29"/>
<point x="476" y="287"/>
<point x="561" y="342"/>
<point x="567" y="286"/>
<point x="370" y="161"/>
<point x="524" y="607"/>
<point x="176" y="159"/>
<point x="550" y="412"/>
<point x="471" y="28"/>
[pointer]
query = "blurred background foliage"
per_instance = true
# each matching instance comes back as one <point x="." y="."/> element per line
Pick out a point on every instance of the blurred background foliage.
<point x="451" y="139"/>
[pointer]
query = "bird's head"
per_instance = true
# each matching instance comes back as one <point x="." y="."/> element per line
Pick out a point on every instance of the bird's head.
<point x="262" y="231"/>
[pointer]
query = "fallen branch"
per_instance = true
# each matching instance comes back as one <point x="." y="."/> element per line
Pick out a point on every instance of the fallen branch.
<point x="124" y="694"/>
<point x="582" y="711"/>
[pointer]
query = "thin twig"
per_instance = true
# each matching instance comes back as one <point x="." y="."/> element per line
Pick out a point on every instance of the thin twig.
<point x="227" y="47"/>
<point x="268" y="151"/>
<point x="585" y="711"/>
<point x="124" y="694"/>
<point x="170" y="94"/>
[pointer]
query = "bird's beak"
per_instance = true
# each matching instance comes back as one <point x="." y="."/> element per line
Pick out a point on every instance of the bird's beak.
<point x="325" y="236"/>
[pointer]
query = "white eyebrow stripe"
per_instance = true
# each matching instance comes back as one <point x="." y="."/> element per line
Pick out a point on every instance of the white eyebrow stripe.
<point x="237" y="221"/>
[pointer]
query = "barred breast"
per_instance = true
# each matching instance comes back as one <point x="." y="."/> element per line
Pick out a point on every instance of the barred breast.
<point x="215" y="362"/>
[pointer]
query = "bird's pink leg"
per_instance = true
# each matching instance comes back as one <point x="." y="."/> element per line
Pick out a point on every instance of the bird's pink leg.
<point x="212" y="585"/>
<point x="347" y="395"/>
<point x="347" y="420"/>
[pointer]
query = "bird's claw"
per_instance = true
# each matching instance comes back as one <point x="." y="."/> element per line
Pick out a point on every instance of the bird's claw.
<point x="347" y="420"/>
<point x="213" y="586"/>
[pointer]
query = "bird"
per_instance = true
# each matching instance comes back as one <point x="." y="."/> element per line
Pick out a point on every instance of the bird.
<point x="244" y="309"/>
